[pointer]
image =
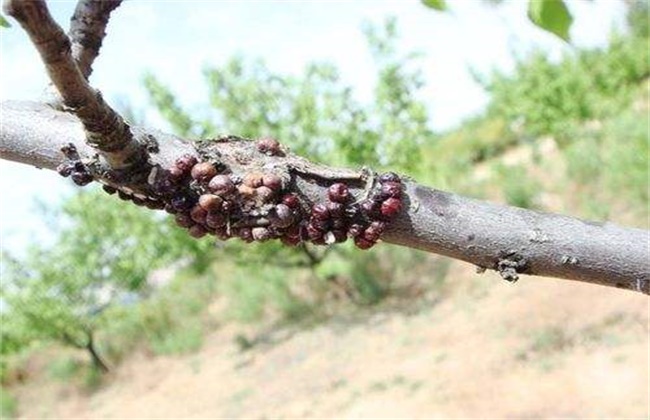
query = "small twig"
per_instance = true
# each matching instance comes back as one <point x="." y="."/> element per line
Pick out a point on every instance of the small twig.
<point x="105" y="129"/>
<point x="88" y="29"/>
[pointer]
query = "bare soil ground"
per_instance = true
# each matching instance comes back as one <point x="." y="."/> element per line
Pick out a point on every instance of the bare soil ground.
<point x="536" y="349"/>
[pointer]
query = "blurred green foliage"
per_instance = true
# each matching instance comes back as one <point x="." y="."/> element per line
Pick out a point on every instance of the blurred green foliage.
<point x="104" y="251"/>
<point x="544" y="97"/>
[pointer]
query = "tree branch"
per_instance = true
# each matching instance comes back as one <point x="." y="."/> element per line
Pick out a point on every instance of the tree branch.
<point x="510" y="240"/>
<point x="88" y="29"/>
<point x="106" y="131"/>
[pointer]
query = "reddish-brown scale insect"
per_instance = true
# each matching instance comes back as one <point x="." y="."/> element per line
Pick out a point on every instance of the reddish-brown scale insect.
<point x="370" y="207"/>
<point x="338" y="192"/>
<point x="184" y="220"/>
<point x="181" y="203"/>
<point x="339" y="235"/>
<point x="323" y="225"/>
<point x="290" y="240"/>
<point x="185" y="163"/>
<point x="65" y="169"/>
<point x="313" y="232"/>
<point x="391" y="207"/>
<point x="245" y="234"/>
<point x="363" y="243"/>
<point x="269" y="146"/>
<point x="272" y="181"/>
<point x="355" y="230"/>
<point x="336" y="210"/>
<point x="176" y="173"/>
<point x="109" y="190"/>
<point x="389" y="177"/>
<point x="320" y="212"/>
<point x="391" y="189"/>
<point x="81" y="178"/>
<point x="291" y="200"/>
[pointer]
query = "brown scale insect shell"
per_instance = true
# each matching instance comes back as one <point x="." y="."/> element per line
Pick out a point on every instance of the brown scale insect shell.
<point x="197" y="231"/>
<point x="246" y="191"/>
<point x="198" y="214"/>
<point x="221" y="185"/>
<point x="203" y="172"/>
<point x="81" y="178"/>
<point x="184" y="220"/>
<point x="175" y="173"/>
<point x="210" y="202"/>
<point x="109" y="190"/>
<point x="265" y="194"/>
<point x="370" y="235"/>
<point x="215" y="220"/>
<point x="65" y="169"/>
<point x="245" y="234"/>
<point x="253" y="179"/>
<point x="319" y="241"/>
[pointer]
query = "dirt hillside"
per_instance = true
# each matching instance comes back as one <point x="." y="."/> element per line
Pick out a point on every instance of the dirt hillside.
<point x="538" y="348"/>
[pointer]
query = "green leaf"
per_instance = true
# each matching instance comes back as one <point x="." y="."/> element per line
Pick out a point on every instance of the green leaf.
<point x="552" y="16"/>
<point x="440" y="5"/>
<point x="4" y="23"/>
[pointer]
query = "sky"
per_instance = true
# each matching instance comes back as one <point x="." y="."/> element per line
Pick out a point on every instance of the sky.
<point x="175" y="40"/>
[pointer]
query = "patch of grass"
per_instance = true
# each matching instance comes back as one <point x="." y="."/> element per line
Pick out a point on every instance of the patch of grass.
<point x="611" y="163"/>
<point x="186" y="337"/>
<point x="64" y="368"/>
<point x="549" y="340"/>
<point x="519" y="189"/>
<point x="8" y="405"/>
<point x="253" y="292"/>
<point x="92" y="379"/>
<point x="241" y="395"/>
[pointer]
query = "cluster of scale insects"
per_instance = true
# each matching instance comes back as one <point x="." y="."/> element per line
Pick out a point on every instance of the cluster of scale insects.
<point x="207" y="200"/>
